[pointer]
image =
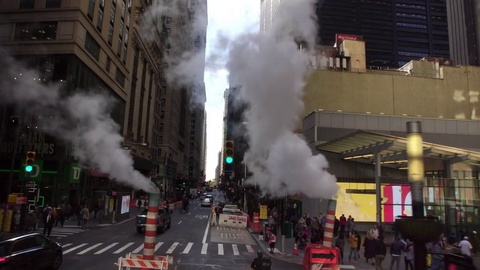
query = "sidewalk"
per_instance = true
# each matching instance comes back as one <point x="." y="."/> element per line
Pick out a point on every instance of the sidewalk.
<point x="360" y="264"/>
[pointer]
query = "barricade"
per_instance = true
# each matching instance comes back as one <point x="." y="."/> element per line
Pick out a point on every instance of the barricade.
<point x="136" y="261"/>
<point x="256" y="223"/>
<point x="233" y="221"/>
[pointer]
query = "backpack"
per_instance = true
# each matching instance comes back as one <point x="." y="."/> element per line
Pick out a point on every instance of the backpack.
<point x="266" y="264"/>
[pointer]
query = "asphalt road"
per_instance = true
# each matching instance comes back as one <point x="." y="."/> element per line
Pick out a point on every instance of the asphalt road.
<point x="191" y="242"/>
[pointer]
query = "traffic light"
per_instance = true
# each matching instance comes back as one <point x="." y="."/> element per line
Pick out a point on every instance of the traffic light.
<point x="229" y="152"/>
<point x="29" y="160"/>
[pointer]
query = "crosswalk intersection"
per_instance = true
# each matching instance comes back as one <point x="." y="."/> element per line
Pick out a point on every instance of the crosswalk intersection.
<point x="61" y="232"/>
<point x="179" y="248"/>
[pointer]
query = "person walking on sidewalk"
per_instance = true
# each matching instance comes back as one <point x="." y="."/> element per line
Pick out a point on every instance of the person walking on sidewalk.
<point x="396" y="252"/>
<point x="353" y="247"/>
<point x="85" y="214"/>
<point x="272" y="240"/>
<point x="380" y="253"/>
<point x="340" y="244"/>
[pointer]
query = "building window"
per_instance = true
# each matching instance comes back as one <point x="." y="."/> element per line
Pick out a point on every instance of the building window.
<point x="160" y="139"/>
<point x="160" y="127"/>
<point x="120" y="30"/>
<point x="110" y="34"/>
<point x="35" y="31"/>
<point x="92" y="46"/>
<point x="91" y="8"/>
<point x="120" y="78"/>
<point x="53" y="3"/>
<point x="112" y="14"/>
<point x="162" y="102"/>
<point x="27" y="4"/>
<point x="125" y="54"/>
<point x="126" y="38"/>
<point x="162" y="114"/>
<point x="109" y="63"/>
<point x="119" y="46"/>
<point x="100" y="19"/>
<point x="123" y="9"/>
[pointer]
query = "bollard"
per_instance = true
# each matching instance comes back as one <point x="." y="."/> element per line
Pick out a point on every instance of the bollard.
<point x="256" y="223"/>
<point x="328" y="234"/>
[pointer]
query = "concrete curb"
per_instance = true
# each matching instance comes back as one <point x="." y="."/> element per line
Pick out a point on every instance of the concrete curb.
<point x="280" y="257"/>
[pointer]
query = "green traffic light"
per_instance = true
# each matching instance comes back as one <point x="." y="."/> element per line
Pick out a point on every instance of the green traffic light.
<point x="229" y="160"/>
<point x="28" y="168"/>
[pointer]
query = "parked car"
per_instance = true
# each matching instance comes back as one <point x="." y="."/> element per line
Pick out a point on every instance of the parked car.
<point x="207" y="202"/>
<point x="29" y="251"/>
<point x="164" y="220"/>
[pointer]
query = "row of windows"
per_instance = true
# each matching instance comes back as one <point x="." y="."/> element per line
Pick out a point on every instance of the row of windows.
<point x="30" y="4"/>
<point x="35" y="31"/>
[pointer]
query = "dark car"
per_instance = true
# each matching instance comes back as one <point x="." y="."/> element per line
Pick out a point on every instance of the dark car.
<point x="29" y="251"/>
<point x="164" y="220"/>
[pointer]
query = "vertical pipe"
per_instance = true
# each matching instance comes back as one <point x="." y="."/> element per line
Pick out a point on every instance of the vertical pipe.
<point x="328" y="234"/>
<point x="151" y="226"/>
<point x="378" y="186"/>
<point x="416" y="178"/>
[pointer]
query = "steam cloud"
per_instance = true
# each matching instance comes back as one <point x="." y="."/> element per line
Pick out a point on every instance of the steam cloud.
<point x="271" y="71"/>
<point x="82" y="117"/>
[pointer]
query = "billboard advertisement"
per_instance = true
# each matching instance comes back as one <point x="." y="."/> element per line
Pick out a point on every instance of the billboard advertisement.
<point x="397" y="201"/>
<point x="125" y="204"/>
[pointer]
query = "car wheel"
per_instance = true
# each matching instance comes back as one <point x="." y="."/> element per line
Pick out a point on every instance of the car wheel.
<point x="161" y="229"/>
<point x="139" y="230"/>
<point x="57" y="262"/>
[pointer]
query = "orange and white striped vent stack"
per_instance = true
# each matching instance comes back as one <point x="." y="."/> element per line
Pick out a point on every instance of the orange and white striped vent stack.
<point x="328" y="231"/>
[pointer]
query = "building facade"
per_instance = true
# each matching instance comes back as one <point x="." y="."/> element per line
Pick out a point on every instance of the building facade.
<point x="113" y="47"/>
<point x="366" y="115"/>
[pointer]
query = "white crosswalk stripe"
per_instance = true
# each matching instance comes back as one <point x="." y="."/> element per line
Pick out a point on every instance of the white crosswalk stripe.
<point x="123" y="248"/>
<point x="179" y="248"/>
<point x="106" y="248"/>
<point x="172" y="248"/>
<point x="59" y="232"/>
<point x="220" y="249"/>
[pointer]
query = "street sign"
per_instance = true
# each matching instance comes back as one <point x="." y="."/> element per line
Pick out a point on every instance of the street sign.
<point x="320" y="257"/>
<point x="263" y="211"/>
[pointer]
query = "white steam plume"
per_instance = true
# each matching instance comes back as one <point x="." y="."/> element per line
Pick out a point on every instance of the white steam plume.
<point x="186" y="65"/>
<point x="82" y="117"/>
<point x="271" y="71"/>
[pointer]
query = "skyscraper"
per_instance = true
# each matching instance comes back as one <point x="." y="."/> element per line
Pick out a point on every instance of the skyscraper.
<point x="395" y="31"/>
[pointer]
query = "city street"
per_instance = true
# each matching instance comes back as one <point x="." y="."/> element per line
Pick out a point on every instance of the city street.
<point x="191" y="242"/>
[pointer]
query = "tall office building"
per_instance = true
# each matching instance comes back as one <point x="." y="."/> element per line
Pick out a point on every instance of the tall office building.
<point x="268" y="11"/>
<point x="464" y="29"/>
<point x="197" y="159"/>
<point x="395" y="31"/>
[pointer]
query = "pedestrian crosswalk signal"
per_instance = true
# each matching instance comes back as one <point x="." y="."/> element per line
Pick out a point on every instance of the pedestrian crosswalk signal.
<point x="29" y="160"/>
<point x="229" y="152"/>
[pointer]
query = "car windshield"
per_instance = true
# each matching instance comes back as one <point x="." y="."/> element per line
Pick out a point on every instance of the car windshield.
<point x="206" y="200"/>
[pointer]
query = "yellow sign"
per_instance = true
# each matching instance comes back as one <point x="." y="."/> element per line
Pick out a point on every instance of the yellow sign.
<point x="263" y="212"/>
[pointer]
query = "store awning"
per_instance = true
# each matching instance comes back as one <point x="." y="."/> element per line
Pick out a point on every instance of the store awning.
<point x="361" y="145"/>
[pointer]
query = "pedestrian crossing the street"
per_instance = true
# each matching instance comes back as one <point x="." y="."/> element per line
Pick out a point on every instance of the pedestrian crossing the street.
<point x="178" y="248"/>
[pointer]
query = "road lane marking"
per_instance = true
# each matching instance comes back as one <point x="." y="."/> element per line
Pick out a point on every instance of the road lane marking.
<point x="106" y="248"/>
<point x="180" y="222"/>
<point x="172" y="248"/>
<point x="342" y="266"/>
<point x="250" y="249"/>
<point x="206" y="233"/>
<point x="88" y="249"/>
<point x="204" y="248"/>
<point x="74" y="248"/>
<point x="235" y="250"/>
<point x="187" y="248"/>
<point x="123" y="248"/>
<point x="220" y="249"/>
<point x="137" y="250"/>
<point x="66" y="245"/>
<point x="158" y="245"/>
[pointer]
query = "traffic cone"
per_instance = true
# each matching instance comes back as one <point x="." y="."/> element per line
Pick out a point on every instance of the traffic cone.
<point x="295" y="249"/>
